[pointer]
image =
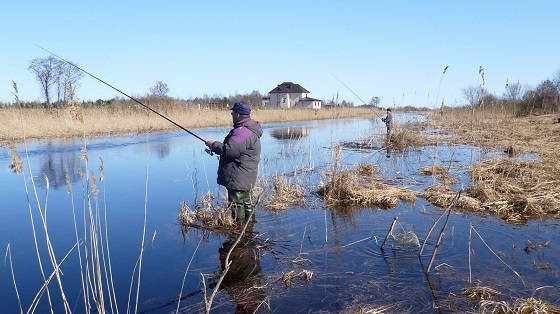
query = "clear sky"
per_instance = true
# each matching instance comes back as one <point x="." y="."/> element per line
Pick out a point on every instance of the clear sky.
<point x="392" y="49"/>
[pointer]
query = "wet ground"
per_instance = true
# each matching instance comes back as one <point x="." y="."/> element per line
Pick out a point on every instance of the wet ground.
<point x="341" y="248"/>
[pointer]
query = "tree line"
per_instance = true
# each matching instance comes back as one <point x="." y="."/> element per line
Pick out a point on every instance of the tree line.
<point x="519" y="99"/>
<point x="58" y="81"/>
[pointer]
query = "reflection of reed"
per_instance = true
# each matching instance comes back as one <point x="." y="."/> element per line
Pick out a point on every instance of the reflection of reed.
<point x="161" y="149"/>
<point x="290" y="133"/>
<point x="56" y="166"/>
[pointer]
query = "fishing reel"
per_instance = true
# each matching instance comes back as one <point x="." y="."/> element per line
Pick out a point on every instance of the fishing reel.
<point x="209" y="152"/>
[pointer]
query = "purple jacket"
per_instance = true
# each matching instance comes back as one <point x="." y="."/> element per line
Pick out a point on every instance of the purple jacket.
<point x="239" y="155"/>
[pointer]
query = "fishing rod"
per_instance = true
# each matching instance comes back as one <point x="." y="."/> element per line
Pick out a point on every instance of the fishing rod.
<point x="348" y="87"/>
<point x="343" y="84"/>
<point x="118" y="90"/>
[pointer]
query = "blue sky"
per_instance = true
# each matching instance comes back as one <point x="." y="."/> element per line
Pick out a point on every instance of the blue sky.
<point x="392" y="49"/>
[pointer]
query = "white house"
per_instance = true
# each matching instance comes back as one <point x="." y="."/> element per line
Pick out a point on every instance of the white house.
<point x="309" y="103"/>
<point x="289" y="95"/>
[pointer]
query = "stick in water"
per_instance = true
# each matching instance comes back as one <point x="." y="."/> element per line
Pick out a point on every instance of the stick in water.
<point x="388" y="233"/>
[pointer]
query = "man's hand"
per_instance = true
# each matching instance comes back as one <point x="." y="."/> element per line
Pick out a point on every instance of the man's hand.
<point x="209" y="143"/>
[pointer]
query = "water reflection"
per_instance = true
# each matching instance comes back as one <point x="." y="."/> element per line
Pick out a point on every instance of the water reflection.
<point x="55" y="166"/>
<point x="161" y="149"/>
<point x="242" y="281"/>
<point x="290" y="133"/>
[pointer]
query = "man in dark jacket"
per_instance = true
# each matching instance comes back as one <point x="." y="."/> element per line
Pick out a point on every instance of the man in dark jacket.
<point x="239" y="160"/>
<point x="388" y="121"/>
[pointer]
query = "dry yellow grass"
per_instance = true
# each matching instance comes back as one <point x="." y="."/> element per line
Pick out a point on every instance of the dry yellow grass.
<point x="285" y="194"/>
<point x="361" y="187"/>
<point x="518" y="306"/>
<point x="401" y="138"/>
<point x="44" y="123"/>
<point x="478" y="293"/>
<point x="442" y="197"/>
<point x="206" y="214"/>
<point x="532" y="134"/>
<point x="512" y="189"/>
<point x="439" y="172"/>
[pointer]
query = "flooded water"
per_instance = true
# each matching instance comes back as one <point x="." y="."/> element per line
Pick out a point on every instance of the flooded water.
<point x="341" y="248"/>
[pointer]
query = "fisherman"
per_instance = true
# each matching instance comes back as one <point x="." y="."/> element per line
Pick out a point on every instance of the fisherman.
<point x="239" y="160"/>
<point x="388" y="121"/>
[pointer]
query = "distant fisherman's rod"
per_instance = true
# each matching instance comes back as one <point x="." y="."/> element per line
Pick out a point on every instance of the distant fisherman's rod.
<point x="118" y="90"/>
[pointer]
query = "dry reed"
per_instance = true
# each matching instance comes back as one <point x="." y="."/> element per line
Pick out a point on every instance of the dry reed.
<point x="360" y="187"/>
<point x="71" y="121"/>
<point x="513" y="190"/>
<point x="442" y="197"/>
<point x="517" y="190"/>
<point x="478" y="293"/>
<point x="439" y="172"/>
<point x="518" y="306"/>
<point x="402" y="138"/>
<point x="304" y="275"/>
<point x="285" y="194"/>
<point x="207" y="214"/>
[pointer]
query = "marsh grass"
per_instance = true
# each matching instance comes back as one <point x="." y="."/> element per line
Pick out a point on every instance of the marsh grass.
<point x="304" y="275"/>
<point x="517" y="190"/>
<point x="510" y="188"/>
<point x="440" y="172"/>
<point x="478" y="293"/>
<point x="208" y="213"/>
<point x="517" y="306"/>
<point x="442" y="197"/>
<point x="360" y="187"/>
<point x="71" y="121"/>
<point x="402" y="138"/>
<point x="285" y="194"/>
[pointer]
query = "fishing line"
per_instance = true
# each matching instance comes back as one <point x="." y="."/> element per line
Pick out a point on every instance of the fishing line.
<point x="118" y="90"/>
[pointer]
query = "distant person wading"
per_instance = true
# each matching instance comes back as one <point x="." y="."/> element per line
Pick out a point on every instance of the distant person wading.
<point x="239" y="160"/>
<point x="388" y="121"/>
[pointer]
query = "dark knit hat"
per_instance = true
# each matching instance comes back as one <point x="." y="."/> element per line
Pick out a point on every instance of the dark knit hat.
<point x="241" y="108"/>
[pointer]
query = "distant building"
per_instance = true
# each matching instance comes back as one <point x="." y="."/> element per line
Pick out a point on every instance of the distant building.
<point x="310" y="103"/>
<point x="289" y="95"/>
<point x="265" y="101"/>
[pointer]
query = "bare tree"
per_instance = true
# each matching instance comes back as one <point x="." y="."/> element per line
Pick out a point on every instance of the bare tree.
<point x="45" y="72"/>
<point x="70" y="79"/>
<point x="160" y="89"/>
<point x="375" y="101"/>
<point x="513" y="90"/>
<point x="556" y="80"/>
<point x="474" y="95"/>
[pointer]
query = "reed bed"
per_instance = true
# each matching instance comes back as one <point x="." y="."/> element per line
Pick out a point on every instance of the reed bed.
<point x="532" y="134"/>
<point x="511" y="188"/>
<point x="71" y="121"/>
<point x="442" y="197"/>
<point x="517" y="190"/>
<point x="439" y="172"/>
<point x="206" y="214"/>
<point x="285" y="194"/>
<point x="518" y="306"/>
<point x="361" y="187"/>
<point x="402" y="138"/>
